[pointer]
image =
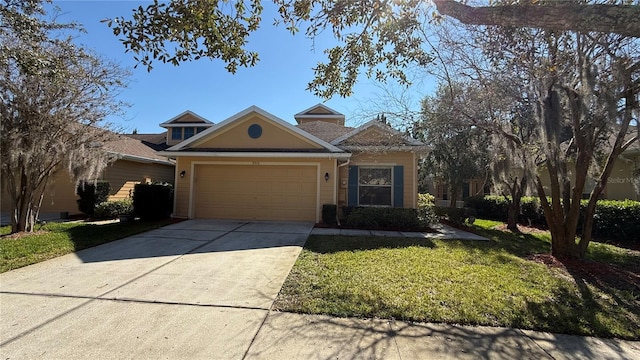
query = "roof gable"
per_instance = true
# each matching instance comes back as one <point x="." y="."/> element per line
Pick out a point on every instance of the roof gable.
<point x="320" y="112"/>
<point x="187" y="117"/>
<point x="275" y="134"/>
<point x="318" y="109"/>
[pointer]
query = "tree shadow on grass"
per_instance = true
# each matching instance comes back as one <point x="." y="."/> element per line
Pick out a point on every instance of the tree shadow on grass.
<point x="90" y="235"/>
<point x="517" y="243"/>
<point x="331" y="244"/>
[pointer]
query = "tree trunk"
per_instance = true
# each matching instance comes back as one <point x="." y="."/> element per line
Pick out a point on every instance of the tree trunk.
<point x="563" y="243"/>
<point x="512" y="215"/>
<point x="454" y="197"/>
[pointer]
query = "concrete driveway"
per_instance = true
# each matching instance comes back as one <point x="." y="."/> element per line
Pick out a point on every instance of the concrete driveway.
<point x="196" y="289"/>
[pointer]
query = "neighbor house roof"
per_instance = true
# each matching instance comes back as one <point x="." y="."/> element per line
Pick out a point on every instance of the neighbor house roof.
<point x="157" y="142"/>
<point x="134" y="150"/>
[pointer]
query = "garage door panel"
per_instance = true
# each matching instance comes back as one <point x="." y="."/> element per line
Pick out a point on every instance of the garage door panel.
<point x="263" y="192"/>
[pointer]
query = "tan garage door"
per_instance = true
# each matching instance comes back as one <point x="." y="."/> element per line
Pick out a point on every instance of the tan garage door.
<point x="260" y="192"/>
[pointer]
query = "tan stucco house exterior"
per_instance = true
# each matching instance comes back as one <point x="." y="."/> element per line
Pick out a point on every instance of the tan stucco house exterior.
<point x="255" y="165"/>
<point x="134" y="163"/>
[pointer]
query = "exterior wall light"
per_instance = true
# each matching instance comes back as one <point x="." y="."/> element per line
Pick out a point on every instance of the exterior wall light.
<point x="326" y="176"/>
<point x="182" y="174"/>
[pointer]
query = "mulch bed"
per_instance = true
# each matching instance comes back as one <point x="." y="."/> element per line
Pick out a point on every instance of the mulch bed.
<point x="523" y="229"/>
<point x="597" y="272"/>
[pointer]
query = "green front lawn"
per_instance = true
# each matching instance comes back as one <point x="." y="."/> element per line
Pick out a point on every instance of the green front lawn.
<point x="56" y="239"/>
<point x="493" y="283"/>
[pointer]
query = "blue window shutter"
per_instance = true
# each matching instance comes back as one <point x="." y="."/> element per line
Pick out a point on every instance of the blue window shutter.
<point x="398" y="186"/>
<point x="352" y="199"/>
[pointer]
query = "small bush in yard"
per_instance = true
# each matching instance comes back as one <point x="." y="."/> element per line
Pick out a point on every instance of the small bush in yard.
<point x="92" y="194"/>
<point x="113" y="209"/>
<point x="382" y="218"/>
<point x="152" y="201"/>
<point x="456" y="215"/>
<point x="329" y="214"/>
<point x="426" y="209"/>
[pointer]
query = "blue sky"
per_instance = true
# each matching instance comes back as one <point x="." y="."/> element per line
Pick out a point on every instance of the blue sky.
<point x="277" y="84"/>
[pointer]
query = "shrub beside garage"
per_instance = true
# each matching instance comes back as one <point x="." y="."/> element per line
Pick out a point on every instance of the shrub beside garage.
<point x="153" y="201"/>
<point x="92" y="194"/>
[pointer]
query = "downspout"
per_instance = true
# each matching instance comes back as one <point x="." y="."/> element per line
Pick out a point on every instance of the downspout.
<point x="338" y="188"/>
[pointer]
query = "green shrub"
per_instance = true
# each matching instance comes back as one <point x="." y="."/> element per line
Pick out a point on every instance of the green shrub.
<point x="382" y="218"/>
<point x="456" y="215"/>
<point x="488" y="207"/>
<point x="531" y="212"/>
<point x="329" y="213"/>
<point x="613" y="219"/>
<point x="426" y="210"/>
<point x="91" y="194"/>
<point x="113" y="209"/>
<point x="153" y="201"/>
<point x="616" y="220"/>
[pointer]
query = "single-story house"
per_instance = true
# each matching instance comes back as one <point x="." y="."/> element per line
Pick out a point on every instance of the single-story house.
<point x="135" y="163"/>
<point x="255" y="165"/>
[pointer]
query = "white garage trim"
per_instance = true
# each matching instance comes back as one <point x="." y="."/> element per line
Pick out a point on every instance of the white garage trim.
<point x="302" y="155"/>
<point x="253" y="163"/>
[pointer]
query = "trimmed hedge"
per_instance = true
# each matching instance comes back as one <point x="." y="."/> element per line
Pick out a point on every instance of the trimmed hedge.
<point x="92" y="194"/>
<point x="381" y="218"/>
<point x="617" y="220"/>
<point x="329" y="214"/>
<point x="113" y="209"/>
<point x="152" y="201"/>
<point x="613" y="219"/>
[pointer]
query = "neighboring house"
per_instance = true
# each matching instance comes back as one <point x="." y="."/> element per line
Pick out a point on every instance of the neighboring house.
<point x="440" y="191"/>
<point x="624" y="182"/>
<point x="135" y="163"/>
<point x="255" y="165"/>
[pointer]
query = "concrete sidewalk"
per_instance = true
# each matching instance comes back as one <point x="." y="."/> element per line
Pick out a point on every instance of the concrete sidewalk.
<point x="295" y="336"/>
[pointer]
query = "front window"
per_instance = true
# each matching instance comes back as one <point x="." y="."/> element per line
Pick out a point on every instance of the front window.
<point x="200" y="129"/>
<point x="176" y="133"/>
<point x="374" y="187"/>
<point x="188" y="132"/>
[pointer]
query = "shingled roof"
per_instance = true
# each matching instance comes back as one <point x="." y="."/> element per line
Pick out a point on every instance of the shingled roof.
<point x="324" y="130"/>
<point x="134" y="149"/>
<point x="157" y="142"/>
